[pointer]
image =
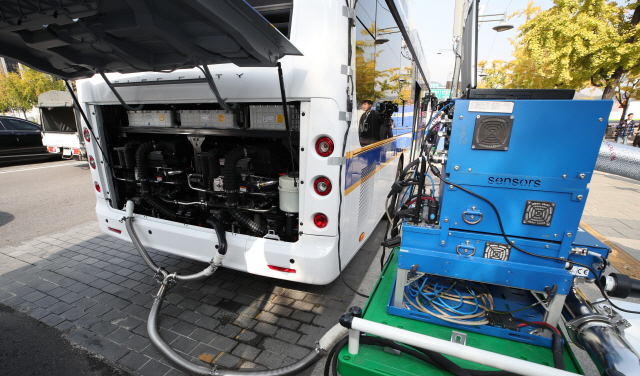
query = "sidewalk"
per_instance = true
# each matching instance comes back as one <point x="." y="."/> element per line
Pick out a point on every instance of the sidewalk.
<point x="613" y="210"/>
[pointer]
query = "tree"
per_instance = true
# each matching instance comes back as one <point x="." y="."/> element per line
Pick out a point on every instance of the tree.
<point x="574" y="44"/>
<point x="628" y="88"/>
<point x="19" y="92"/>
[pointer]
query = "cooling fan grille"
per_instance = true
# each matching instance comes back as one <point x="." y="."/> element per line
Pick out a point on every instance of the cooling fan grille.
<point x="492" y="133"/>
<point x="538" y="213"/>
<point x="497" y="251"/>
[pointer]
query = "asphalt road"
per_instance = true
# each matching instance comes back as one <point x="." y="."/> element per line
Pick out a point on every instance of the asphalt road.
<point x="29" y="347"/>
<point x="37" y="199"/>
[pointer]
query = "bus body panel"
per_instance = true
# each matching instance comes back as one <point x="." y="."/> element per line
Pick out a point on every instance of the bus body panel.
<point x="318" y="82"/>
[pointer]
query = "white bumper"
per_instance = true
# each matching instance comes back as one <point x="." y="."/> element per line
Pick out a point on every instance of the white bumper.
<point x="314" y="258"/>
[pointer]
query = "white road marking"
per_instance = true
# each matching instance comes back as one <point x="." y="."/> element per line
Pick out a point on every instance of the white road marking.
<point x="39" y="168"/>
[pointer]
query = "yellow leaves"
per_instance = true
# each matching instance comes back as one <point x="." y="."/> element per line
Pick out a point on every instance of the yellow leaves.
<point x="20" y="91"/>
<point x="568" y="46"/>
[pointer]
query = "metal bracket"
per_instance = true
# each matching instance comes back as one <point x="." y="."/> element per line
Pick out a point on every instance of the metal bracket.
<point x="458" y="337"/>
<point x="344" y="69"/>
<point x="342" y="115"/>
<point x="336" y="161"/>
<point x="196" y="141"/>
<point x="444" y="231"/>
<point x="349" y="12"/>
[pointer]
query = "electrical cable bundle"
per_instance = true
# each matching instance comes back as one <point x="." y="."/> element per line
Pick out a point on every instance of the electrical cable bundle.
<point x="455" y="301"/>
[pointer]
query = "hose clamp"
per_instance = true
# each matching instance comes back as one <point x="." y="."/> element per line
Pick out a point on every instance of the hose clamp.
<point x="161" y="275"/>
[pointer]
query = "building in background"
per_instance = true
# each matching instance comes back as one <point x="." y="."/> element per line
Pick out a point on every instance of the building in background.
<point x="10" y="66"/>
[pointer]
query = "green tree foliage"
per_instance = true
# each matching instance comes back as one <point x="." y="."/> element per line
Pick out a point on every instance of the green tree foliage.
<point x="19" y="92"/>
<point x="575" y="44"/>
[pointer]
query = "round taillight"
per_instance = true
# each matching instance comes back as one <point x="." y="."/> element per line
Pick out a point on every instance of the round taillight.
<point x="324" y="146"/>
<point x="320" y="220"/>
<point x="322" y="186"/>
<point x="87" y="135"/>
<point x="92" y="162"/>
<point x="95" y="183"/>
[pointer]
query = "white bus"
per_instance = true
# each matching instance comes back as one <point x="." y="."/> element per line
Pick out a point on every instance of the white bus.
<point x="297" y="200"/>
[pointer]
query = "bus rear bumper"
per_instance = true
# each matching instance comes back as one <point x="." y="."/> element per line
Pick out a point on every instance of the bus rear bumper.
<point x="312" y="259"/>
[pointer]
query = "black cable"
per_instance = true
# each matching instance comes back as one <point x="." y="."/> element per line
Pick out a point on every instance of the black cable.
<point x="432" y="358"/>
<point x="115" y="92"/>
<point x="342" y="155"/>
<point x="436" y="172"/>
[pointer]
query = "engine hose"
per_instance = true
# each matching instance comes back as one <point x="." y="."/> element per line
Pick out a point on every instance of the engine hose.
<point x="232" y="187"/>
<point x="216" y="261"/>
<point x="143" y="176"/>
<point x="556" y="347"/>
<point x="141" y="164"/>
<point x="159" y="206"/>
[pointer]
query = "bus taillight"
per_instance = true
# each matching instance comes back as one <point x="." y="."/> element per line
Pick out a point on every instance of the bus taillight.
<point x="87" y="135"/>
<point x="92" y="162"/>
<point x="322" y="186"/>
<point x="324" y="146"/>
<point x="320" y="220"/>
<point x="95" y="183"/>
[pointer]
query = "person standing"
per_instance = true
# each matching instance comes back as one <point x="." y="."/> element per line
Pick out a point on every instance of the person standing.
<point x="625" y="129"/>
<point x="368" y="125"/>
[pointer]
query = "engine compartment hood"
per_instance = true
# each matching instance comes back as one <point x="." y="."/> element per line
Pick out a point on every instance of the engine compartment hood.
<point x="74" y="39"/>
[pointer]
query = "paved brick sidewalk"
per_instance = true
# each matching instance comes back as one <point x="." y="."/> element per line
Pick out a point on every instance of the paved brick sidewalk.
<point x="97" y="291"/>
<point x="613" y="209"/>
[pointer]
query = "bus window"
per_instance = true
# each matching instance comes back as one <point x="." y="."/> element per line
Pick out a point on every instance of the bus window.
<point x="366" y="70"/>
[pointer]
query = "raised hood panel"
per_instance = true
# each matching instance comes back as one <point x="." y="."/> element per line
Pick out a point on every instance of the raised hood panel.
<point x="74" y="39"/>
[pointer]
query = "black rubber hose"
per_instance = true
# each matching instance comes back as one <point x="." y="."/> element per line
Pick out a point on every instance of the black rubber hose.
<point x="433" y="358"/>
<point x="222" y="237"/>
<point x="159" y="206"/>
<point x="556" y="347"/>
<point x="232" y="187"/>
<point x="143" y="168"/>
<point x="143" y="176"/>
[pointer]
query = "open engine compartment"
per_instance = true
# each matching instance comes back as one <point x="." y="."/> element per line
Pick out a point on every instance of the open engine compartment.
<point x="188" y="162"/>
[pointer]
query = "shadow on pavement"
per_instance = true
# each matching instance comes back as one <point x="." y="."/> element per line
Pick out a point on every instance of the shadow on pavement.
<point x="6" y="218"/>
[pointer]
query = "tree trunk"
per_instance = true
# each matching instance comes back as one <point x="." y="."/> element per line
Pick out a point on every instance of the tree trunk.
<point x="625" y="107"/>
<point x="613" y="83"/>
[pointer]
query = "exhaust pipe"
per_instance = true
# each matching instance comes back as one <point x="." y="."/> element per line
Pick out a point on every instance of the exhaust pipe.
<point x="619" y="160"/>
<point x="597" y="329"/>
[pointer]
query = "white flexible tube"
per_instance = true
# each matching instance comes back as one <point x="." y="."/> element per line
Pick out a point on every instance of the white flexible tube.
<point x="487" y="358"/>
<point x="332" y="336"/>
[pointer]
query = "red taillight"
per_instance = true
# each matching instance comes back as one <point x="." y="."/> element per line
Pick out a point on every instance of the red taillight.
<point x="87" y="135"/>
<point x="52" y="149"/>
<point x="320" y="220"/>
<point x="95" y="183"/>
<point x="77" y="152"/>
<point x="92" y="162"/>
<point x="324" y="146"/>
<point x="115" y="230"/>
<point x="281" y="269"/>
<point x="322" y="186"/>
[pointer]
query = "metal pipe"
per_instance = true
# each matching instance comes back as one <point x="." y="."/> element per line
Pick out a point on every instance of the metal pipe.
<point x="619" y="159"/>
<point x="596" y="333"/>
<point x="487" y="358"/>
<point x="325" y="343"/>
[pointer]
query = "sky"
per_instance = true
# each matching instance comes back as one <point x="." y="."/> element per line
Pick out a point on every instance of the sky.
<point x="435" y="28"/>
